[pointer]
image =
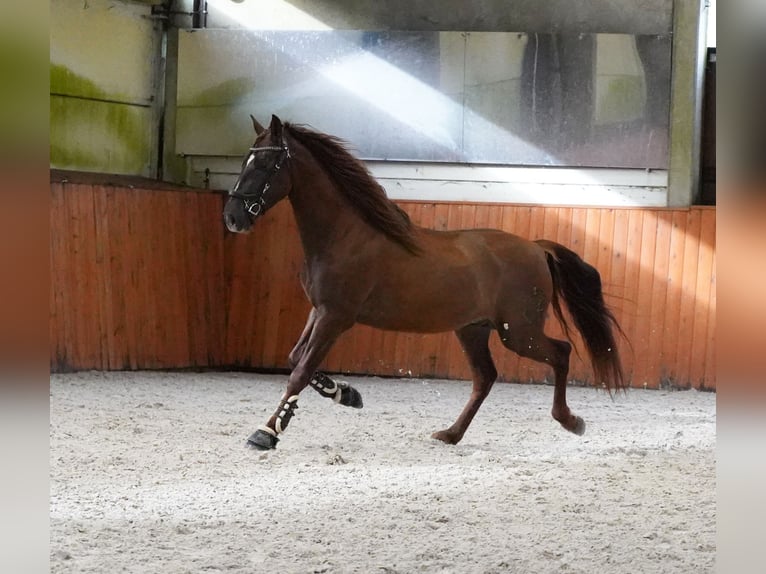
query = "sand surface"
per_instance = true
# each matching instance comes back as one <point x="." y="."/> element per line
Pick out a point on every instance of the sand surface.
<point x="149" y="474"/>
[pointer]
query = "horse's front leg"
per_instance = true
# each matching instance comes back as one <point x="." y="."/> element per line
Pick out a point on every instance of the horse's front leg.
<point x="295" y="354"/>
<point x="320" y="337"/>
<point x="342" y="393"/>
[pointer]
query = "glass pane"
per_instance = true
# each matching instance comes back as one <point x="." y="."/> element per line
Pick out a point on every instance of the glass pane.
<point x="482" y="97"/>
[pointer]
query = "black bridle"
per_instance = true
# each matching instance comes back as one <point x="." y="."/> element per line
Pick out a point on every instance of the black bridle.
<point x="255" y="202"/>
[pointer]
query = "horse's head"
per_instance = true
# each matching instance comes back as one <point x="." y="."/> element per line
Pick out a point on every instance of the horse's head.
<point x="261" y="182"/>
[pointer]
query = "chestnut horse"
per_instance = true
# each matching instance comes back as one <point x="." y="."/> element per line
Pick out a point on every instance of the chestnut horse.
<point x="366" y="262"/>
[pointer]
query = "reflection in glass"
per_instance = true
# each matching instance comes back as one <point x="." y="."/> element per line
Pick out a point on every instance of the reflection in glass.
<point x="490" y="97"/>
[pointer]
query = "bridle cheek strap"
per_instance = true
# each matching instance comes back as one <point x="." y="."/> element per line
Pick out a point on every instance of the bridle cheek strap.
<point x="256" y="203"/>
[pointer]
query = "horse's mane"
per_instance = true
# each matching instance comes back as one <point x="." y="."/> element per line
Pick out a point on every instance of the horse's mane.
<point x="357" y="185"/>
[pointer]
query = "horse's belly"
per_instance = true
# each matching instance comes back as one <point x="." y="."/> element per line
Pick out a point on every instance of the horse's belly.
<point x="424" y="306"/>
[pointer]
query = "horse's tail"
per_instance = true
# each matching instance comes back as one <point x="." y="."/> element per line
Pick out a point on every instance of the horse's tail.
<point x="579" y="285"/>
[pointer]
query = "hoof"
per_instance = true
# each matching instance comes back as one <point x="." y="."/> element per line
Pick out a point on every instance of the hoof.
<point x="579" y="427"/>
<point x="261" y="440"/>
<point x="446" y="437"/>
<point x="350" y="397"/>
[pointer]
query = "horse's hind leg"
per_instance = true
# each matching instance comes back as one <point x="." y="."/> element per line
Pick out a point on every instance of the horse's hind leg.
<point x="474" y="340"/>
<point x="532" y="343"/>
<point x="342" y="393"/>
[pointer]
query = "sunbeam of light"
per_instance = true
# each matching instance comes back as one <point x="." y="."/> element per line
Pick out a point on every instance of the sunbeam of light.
<point x="273" y="11"/>
<point x="413" y="102"/>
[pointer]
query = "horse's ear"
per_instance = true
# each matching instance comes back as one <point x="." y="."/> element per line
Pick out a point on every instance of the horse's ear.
<point x="276" y="130"/>
<point x="259" y="129"/>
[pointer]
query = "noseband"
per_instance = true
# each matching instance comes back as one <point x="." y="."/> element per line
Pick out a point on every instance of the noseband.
<point x="256" y="202"/>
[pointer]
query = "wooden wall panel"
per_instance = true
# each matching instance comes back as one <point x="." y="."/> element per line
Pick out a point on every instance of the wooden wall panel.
<point x="148" y="278"/>
<point x="136" y="278"/>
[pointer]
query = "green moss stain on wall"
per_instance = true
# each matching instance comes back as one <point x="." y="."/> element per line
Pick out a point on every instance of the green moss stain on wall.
<point x="65" y="82"/>
<point x="91" y="135"/>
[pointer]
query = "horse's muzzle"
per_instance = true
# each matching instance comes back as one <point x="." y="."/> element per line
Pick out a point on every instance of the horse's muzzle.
<point x="235" y="216"/>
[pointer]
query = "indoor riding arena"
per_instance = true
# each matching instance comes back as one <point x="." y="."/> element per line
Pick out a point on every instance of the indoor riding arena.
<point x="486" y="233"/>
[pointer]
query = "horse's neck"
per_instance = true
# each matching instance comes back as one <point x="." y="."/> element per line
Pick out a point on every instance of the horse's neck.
<point x="322" y="215"/>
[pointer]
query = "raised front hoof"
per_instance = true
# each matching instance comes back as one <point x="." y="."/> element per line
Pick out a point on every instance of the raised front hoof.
<point x="261" y="440"/>
<point x="350" y="397"/>
<point x="446" y="437"/>
<point x="578" y="427"/>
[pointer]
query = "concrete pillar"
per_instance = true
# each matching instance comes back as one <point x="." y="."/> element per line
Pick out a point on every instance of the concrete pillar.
<point x="689" y="47"/>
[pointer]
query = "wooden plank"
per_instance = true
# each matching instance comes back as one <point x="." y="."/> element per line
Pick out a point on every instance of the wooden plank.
<point x="630" y="297"/>
<point x="88" y="322"/>
<point x="250" y="283"/>
<point x="196" y="307"/>
<point x="709" y="382"/>
<point x="523" y="221"/>
<point x="198" y="322"/>
<point x="579" y="230"/>
<point x="592" y="240"/>
<point x="481" y="216"/>
<point x="152" y="281"/>
<point x="59" y="323"/>
<point x="110" y="359"/>
<point x="702" y="348"/>
<point x="494" y="217"/>
<point x="615" y="290"/>
<point x="603" y="261"/>
<point x="215" y="303"/>
<point x="265" y="250"/>
<point x="118" y="336"/>
<point x="360" y="341"/>
<point x="151" y="332"/>
<point x="537" y="223"/>
<point x="467" y="218"/>
<point x="550" y="223"/>
<point x="688" y="287"/>
<point x="658" y="309"/>
<point x="614" y="283"/>
<point x="441" y="216"/>
<point x="249" y="288"/>
<point x="181" y="342"/>
<point x="671" y="333"/>
<point x="135" y="306"/>
<point x="234" y="300"/>
<point x="645" y="364"/>
<point x="508" y="222"/>
<point x="73" y="294"/>
<point x="563" y="230"/>
<point x="103" y="280"/>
